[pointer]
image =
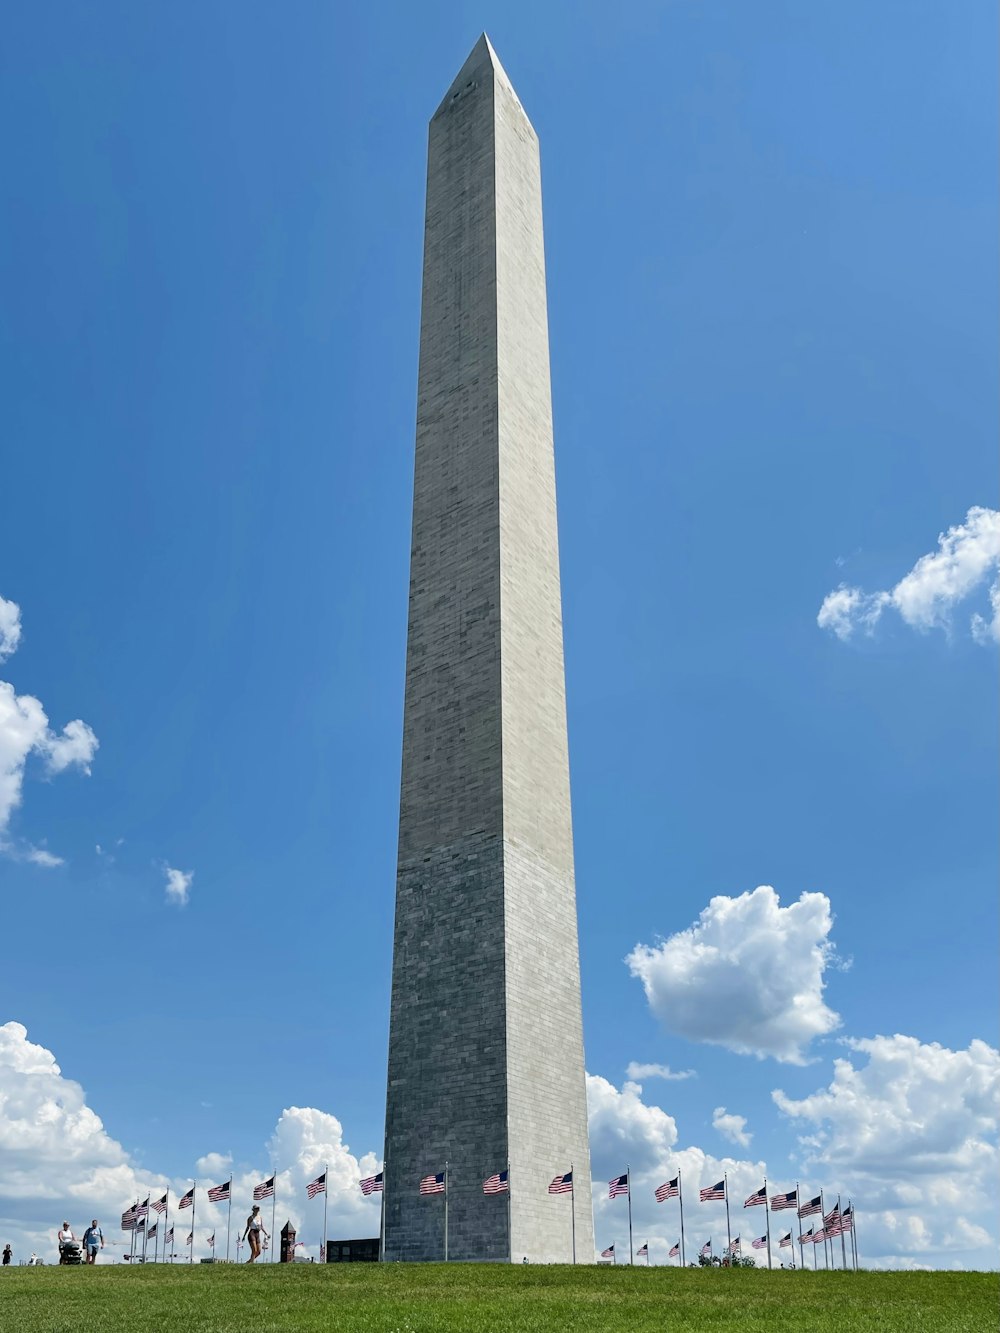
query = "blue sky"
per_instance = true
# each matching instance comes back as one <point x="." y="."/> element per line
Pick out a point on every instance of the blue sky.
<point x="770" y="237"/>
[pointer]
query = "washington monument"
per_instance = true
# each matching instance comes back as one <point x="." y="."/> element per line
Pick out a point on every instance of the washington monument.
<point x="486" y="1043"/>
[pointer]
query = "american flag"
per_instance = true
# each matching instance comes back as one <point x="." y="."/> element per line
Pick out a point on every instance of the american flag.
<point x="819" y="1236"/>
<point x="152" y="1231"/>
<point x="789" y="1200"/>
<point x="806" y="1238"/>
<point x="140" y="1224"/>
<point x="609" y="1253"/>
<point x="813" y="1206"/>
<point x="847" y="1217"/>
<point x="759" y="1243"/>
<point x="433" y="1184"/>
<point x="211" y="1240"/>
<point x="188" y="1200"/>
<point x="562" y="1184"/>
<point x="785" y="1241"/>
<point x="760" y="1197"/>
<point x="160" y="1206"/>
<point x="832" y="1221"/>
<point x="219" y="1193"/>
<point x="317" y="1186"/>
<point x="644" y="1252"/>
<point x="674" y="1251"/>
<point x="713" y="1192"/>
<point x="142" y="1209"/>
<point x="264" y="1190"/>
<point x="168" y="1239"/>
<point x="734" y="1245"/>
<point x="619" y="1185"/>
<point x="668" y="1190"/>
<point x="706" y="1249"/>
<point x="190" y="1239"/>
<point x="496" y="1184"/>
<point x="372" y="1184"/>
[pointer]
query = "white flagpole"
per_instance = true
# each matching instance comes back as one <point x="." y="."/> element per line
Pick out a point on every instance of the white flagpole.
<point x="680" y="1200"/>
<point x="767" y="1219"/>
<point x="229" y="1215"/>
<point x="381" y="1224"/>
<point x="628" y="1182"/>
<point x="274" y="1204"/>
<point x="822" y="1227"/>
<point x="326" y="1197"/>
<point x="729" y="1230"/>
<point x="194" y="1191"/>
<point x="446" y="1212"/>
<point x="510" y="1225"/>
<point x="798" y="1224"/>
<point x="843" y="1243"/>
<point x="572" y="1207"/>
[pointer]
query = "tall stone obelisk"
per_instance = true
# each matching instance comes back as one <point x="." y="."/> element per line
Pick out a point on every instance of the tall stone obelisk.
<point x="486" y="1041"/>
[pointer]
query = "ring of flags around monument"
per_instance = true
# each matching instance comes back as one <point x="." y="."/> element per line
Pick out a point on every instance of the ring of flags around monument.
<point x="836" y="1221"/>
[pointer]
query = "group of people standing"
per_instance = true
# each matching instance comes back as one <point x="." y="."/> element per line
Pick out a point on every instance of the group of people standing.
<point x="93" y="1240"/>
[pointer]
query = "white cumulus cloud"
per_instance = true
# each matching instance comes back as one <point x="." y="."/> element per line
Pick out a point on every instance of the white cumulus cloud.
<point x="25" y="731"/>
<point x="178" y="886"/>
<point x="748" y="975"/>
<point x="626" y="1129"/>
<point x="967" y="559"/>
<point x="731" y="1127"/>
<point x="10" y="628"/>
<point x="910" y="1129"/>
<point x="57" y="1160"/>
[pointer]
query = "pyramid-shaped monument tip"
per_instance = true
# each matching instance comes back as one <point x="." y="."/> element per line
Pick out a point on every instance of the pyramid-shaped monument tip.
<point x="482" y="60"/>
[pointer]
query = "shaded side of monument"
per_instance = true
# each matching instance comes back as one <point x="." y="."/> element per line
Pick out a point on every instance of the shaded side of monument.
<point x="486" y="1042"/>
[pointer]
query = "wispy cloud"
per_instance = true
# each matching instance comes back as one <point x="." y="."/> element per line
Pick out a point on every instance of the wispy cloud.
<point x="638" y="1072"/>
<point x="178" y="887"/>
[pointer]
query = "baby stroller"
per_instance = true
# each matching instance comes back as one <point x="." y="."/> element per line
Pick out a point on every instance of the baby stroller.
<point x="70" y="1252"/>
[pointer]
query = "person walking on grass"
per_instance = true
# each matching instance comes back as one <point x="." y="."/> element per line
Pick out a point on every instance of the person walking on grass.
<point x="253" y="1233"/>
<point x="8" y="1254"/>
<point x="93" y="1240"/>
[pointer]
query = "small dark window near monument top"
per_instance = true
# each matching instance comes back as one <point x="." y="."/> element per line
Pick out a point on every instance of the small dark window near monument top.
<point x="462" y="91"/>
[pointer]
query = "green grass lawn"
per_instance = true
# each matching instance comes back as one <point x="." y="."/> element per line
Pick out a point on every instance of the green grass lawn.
<point x="426" y="1298"/>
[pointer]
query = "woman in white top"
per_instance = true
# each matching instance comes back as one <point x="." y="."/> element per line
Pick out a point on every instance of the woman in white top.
<point x="253" y="1233"/>
<point x="65" y="1237"/>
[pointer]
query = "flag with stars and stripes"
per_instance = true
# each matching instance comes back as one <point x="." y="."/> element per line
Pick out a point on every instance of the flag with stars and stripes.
<point x="705" y="1250"/>
<point x="609" y="1253"/>
<point x="785" y="1241"/>
<point x="813" y="1206"/>
<point x="264" y="1190"/>
<point x="128" y="1218"/>
<point x="372" y="1184"/>
<point x="497" y="1183"/>
<point x="142" y="1209"/>
<point x="644" y="1252"/>
<point x="789" y="1200"/>
<point x="188" y="1200"/>
<point x="759" y="1243"/>
<point x="668" y="1190"/>
<point x="713" y="1192"/>
<point x="160" y="1205"/>
<point x="317" y="1186"/>
<point x="674" y="1251"/>
<point x="618" y="1185"/>
<point x="758" y="1197"/>
<point x="562" y="1184"/>
<point x="219" y="1193"/>
<point x="433" y="1184"/>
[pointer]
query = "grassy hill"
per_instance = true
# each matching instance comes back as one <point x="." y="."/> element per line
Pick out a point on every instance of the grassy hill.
<point x="428" y="1298"/>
